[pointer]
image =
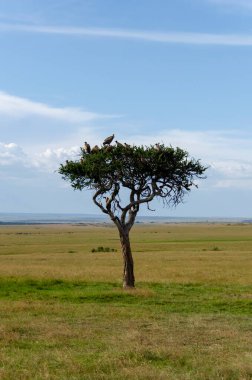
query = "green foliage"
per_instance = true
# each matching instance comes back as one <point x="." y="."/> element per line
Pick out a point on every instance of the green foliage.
<point x="129" y="165"/>
<point x="137" y="168"/>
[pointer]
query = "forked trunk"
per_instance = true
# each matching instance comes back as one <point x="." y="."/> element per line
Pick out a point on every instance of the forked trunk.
<point x="128" y="270"/>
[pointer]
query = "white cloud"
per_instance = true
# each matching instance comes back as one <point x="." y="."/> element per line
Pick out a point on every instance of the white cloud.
<point x="137" y="35"/>
<point x="234" y="169"/>
<point x="13" y="157"/>
<point x="50" y="159"/>
<point x="232" y="174"/>
<point x="17" y="107"/>
<point x="10" y="154"/>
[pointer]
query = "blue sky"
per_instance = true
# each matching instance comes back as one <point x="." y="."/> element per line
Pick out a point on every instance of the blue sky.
<point x="177" y="72"/>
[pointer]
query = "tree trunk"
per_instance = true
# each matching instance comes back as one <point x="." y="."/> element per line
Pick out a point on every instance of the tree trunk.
<point x="128" y="270"/>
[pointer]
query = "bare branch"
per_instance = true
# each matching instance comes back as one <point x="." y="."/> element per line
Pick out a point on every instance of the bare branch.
<point x="148" y="206"/>
<point x="99" y="204"/>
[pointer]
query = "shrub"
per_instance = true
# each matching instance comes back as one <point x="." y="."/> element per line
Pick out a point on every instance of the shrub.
<point x="103" y="249"/>
<point x="216" y="249"/>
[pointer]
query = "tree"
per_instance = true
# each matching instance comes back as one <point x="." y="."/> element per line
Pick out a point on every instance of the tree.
<point x="145" y="173"/>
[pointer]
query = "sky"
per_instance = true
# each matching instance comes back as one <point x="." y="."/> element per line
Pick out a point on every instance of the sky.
<point x="175" y="72"/>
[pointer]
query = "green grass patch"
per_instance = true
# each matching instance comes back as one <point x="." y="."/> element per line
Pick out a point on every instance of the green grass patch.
<point x="173" y="298"/>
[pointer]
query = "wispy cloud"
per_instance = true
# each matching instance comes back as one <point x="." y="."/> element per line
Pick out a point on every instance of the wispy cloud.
<point x="245" y="4"/>
<point x="17" y="107"/>
<point x="137" y="35"/>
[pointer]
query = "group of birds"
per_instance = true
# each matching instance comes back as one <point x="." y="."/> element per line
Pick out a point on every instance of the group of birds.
<point x="106" y="145"/>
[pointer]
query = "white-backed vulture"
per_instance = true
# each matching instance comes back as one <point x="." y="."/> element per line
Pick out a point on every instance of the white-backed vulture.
<point x="108" y="140"/>
<point x="87" y="148"/>
<point x="95" y="149"/>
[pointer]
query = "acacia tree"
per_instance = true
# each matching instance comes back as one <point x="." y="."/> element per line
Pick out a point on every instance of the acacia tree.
<point x="156" y="171"/>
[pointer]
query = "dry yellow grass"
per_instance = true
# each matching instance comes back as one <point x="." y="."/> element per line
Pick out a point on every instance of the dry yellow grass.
<point x="163" y="253"/>
<point x="40" y="340"/>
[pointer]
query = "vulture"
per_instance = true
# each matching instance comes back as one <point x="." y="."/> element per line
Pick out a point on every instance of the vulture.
<point x="108" y="140"/>
<point x="87" y="147"/>
<point x="119" y="144"/>
<point x="95" y="149"/>
<point x="108" y="148"/>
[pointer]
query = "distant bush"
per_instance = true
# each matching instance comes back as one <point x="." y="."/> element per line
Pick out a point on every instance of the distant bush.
<point x="212" y="249"/>
<point x="103" y="249"/>
<point x="215" y="249"/>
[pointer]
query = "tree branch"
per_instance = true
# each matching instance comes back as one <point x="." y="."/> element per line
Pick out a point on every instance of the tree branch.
<point x="99" y="204"/>
<point x="108" y="211"/>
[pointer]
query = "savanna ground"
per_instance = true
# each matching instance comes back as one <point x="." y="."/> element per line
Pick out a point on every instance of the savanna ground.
<point x="64" y="315"/>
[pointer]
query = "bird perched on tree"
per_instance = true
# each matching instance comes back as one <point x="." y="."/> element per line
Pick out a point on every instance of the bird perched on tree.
<point x="108" y="148"/>
<point x="119" y="144"/>
<point x="108" y="140"/>
<point x="95" y="149"/>
<point x="126" y="145"/>
<point x="87" y="148"/>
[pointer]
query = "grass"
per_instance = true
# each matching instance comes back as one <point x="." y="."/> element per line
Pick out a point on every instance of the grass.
<point x="64" y="315"/>
<point x="172" y="297"/>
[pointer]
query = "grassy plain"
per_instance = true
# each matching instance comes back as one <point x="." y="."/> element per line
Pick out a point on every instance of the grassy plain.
<point x="63" y="314"/>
